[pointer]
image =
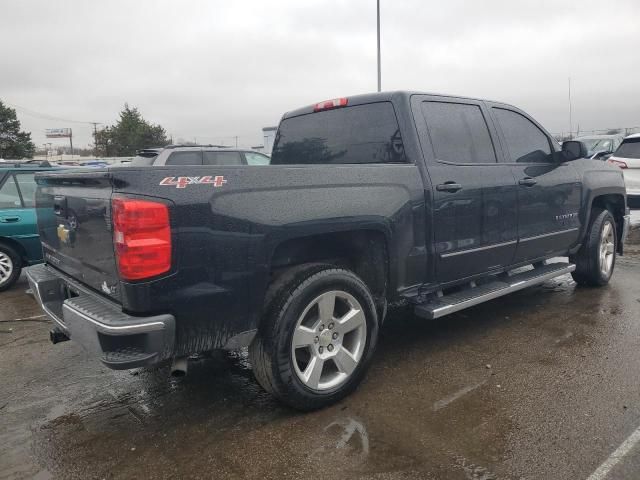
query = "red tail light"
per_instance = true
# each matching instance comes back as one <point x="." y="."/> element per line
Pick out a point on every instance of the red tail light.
<point x="618" y="163"/>
<point x="142" y="238"/>
<point x="329" y="104"/>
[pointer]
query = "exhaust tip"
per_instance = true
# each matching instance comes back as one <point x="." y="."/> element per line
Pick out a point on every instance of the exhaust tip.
<point x="179" y="367"/>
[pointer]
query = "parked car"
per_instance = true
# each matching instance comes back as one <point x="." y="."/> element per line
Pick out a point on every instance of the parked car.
<point x="94" y="164"/>
<point x="442" y="202"/>
<point x="199" y="155"/>
<point x="599" y="147"/>
<point x="627" y="157"/>
<point x="19" y="241"/>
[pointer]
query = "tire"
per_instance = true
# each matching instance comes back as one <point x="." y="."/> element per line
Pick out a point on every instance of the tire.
<point x="601" y="240"/>
<point x="326" y="345"/>
<point x="10" y="267"/>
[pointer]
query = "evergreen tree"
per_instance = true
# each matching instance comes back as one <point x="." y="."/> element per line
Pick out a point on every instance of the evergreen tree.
<point x="14" y="144"/>
<point x="132" y="132"/>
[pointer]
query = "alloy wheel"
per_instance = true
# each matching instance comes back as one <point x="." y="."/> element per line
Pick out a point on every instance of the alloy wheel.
<point x="607" y="249"/>
<point x="329" y="340"/>
<point x="6" y="267"/>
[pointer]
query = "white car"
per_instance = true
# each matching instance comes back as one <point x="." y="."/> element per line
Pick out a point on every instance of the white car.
<point x="627" y="157"/>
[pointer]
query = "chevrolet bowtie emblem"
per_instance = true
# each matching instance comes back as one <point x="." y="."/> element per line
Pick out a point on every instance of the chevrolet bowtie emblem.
<point x="63" y="233"/>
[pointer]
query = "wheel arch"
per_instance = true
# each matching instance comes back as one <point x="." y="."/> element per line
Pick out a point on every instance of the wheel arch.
<point x="17" y="246"/>
<point x="615" y="203"/>
<point x="363" y="251"/>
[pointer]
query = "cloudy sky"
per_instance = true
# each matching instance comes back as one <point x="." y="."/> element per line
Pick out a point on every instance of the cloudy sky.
<point x="212" y="70"/>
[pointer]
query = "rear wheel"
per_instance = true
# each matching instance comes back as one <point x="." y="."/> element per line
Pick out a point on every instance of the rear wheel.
<point x="596" y="259"/>
<point x="317" y="337"/>
<point x="10" y="267"/>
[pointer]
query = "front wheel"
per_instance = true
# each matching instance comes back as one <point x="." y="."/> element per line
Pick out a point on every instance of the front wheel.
<point x="596" y="258"/>
<point x="317" y="337"/>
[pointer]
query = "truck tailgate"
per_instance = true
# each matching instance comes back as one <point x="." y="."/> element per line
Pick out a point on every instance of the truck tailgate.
<point x="74" y="222"/>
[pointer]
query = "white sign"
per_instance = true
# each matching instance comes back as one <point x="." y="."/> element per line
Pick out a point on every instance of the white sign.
<point x="58" y="132"/>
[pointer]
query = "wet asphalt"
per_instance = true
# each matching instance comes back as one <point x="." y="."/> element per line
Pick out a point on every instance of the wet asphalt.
<point x="541" y="384"/>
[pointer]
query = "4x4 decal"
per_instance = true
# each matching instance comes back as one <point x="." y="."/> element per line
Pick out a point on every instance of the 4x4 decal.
<point x="182" y="182"/>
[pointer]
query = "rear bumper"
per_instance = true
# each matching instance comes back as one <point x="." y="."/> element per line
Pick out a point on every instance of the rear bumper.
<point x="121" y="341"/>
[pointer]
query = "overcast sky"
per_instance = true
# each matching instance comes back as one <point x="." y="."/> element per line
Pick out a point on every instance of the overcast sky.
<point x="213" y="69"/>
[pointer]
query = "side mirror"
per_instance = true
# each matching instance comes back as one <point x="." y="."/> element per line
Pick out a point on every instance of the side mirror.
<point x="573" y="149"/>
<point x="602" y="155"/>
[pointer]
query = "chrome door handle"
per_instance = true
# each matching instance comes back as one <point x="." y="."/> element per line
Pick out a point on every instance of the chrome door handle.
<point x="528" y="181"/>
<point x="449" y="187"/>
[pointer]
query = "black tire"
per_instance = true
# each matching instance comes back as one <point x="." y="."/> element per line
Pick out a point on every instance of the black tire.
<point x="587" y="260"/>
<point x="286" y="300"/>
<point x="16" y="267"/>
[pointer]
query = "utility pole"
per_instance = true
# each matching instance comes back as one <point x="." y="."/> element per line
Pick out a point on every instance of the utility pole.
<point x="570" y="113"/>
<point x="379" y="70"/>
<point x="236" y="141"/>
<point x="71" y="142"/>
<point x="95" y="138"/>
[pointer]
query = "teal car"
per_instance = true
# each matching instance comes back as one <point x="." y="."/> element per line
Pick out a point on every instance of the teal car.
<point x="19" y="240"/>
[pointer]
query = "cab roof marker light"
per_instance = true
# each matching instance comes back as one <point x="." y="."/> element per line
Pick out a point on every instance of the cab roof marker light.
<point x="329" y="104"/>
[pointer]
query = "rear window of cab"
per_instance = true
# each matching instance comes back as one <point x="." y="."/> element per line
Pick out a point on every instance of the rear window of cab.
<point x="356" y="134"/>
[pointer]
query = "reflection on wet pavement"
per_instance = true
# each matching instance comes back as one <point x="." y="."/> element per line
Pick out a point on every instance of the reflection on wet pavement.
<point x="538" y="384"/>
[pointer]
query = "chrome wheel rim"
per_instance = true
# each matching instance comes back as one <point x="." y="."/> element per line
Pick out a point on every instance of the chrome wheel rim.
<point x="607" y="249"/>
<point x="328" y="340"/>
<point x="6" y="268"/>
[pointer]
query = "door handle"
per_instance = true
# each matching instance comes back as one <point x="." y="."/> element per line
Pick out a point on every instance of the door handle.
<point x="9" y="219"/>
<point x="449" y="187"/>
<point x="528" y="181"/>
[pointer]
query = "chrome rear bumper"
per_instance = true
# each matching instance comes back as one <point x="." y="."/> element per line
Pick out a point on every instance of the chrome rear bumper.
<point x="121" y="341"/>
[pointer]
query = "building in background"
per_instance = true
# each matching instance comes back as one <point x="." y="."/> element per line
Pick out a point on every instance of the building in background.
<point x="269" y="135"/>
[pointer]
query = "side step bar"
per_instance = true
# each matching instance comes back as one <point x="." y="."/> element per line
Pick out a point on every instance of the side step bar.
<point x="441" y="306"/>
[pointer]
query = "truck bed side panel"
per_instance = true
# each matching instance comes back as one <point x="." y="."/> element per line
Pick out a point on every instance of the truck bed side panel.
<point x="227" y="234"/>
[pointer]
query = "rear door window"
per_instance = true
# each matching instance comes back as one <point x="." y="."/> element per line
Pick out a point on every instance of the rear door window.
<point x="526" y="143"/>
<point x="9" y="196"/>
<point x="222" y="158"/>
<point x="185" y="158"/>
<point x="359" y="134"/>
<point x="458" y="132"/>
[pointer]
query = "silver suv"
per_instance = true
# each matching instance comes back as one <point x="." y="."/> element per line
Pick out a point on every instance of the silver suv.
<point x="199" y="155"/>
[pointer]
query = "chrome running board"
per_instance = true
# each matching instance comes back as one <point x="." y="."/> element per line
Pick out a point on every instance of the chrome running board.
<point x="444" y="305"/>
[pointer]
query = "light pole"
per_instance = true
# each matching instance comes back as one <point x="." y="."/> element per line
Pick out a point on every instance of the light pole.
<point x="379" y="71"/>
<point x="570" y="113"/>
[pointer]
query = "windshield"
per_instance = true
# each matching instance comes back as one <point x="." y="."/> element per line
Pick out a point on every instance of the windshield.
<point x="630" y="148"/>
<point x="597" y="144"/>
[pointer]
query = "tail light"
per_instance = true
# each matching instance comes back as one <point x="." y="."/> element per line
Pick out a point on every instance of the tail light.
<point x="329" y="104"/>
<point x="618" y="163"/>
<point x="142" y="238"/>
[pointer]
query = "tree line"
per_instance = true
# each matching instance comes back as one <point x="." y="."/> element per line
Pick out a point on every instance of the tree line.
<point x="131" y="132"/>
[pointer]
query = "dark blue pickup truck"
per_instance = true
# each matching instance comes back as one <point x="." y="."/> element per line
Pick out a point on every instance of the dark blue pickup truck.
<point x="443" y="202"/>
